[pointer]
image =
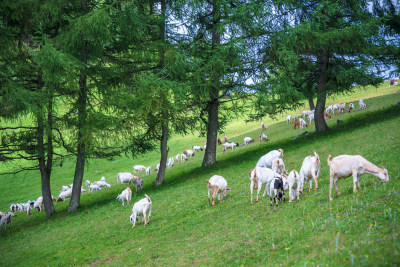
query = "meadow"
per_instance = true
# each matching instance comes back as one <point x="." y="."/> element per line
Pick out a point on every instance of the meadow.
<point x="354" y="229"/>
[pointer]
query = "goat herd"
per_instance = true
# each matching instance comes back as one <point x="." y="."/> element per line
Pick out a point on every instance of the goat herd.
<point x="269" y="171"/>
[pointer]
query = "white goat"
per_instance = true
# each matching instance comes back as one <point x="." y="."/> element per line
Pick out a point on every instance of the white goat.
<point x="289" y="119"/>
<point x="217" y="185"/>
<point x="38" y="203"/>
<point x="263" y="127"/>
<point x="124" y="177"/>
<point x="226" y="139"/>
<point x="188" y="153"/>
<point x="258" y="177"/>
<point x="266" y="160"/>
<point x="170" y="162"/>
<point x="88" y="183"/>
<point x="139" y="168"/>
<point x="6" y="219"/>
<point x="263" y="137"/>
<point x="346" y="165"/>
<point x="148" y="170"/>
<point x="197" y="148"/>
<point x="126" y="195"/>
<point x="248" y="140"/>
<point x="158" y="166"/>
<point x="229" y="145"/>
<point x="361" y="104"/>
<point x="278" y="166"/>
<point x="178" y="158"/>
<point x="342" y="107"/>
<point x="141" y="208"/>
<point x="183" y="157"/>
<point x="294" y="185"/>
<point x="310" y="171"/>
<point x="65" y="194"/>
<point x="138" y="183"/>
<point x="311" y="117"/>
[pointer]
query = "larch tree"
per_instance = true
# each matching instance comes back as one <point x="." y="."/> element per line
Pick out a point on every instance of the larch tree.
<point x="338" y="44"/>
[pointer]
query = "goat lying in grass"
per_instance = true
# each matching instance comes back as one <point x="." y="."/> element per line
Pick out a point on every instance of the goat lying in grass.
<point x="346" y="165"/>
<point x="141" y="208"/>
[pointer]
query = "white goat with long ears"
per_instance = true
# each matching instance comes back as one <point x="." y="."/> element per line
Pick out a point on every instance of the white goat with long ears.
<point x="264" y="137"/>
<point x="258" y="177"/>
<point x="310" y="171"/>
<point x="289" y="119"/>
<point x="346" y="165"/>
<point x="217" y="185"/>
<point x="263" y="126"/>
<point x="266" y="160"/>
<point x="126" y="195"/>
<point x="141" y="208"/>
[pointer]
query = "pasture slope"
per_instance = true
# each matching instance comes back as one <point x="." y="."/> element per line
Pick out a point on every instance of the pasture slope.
<point x="354" y="229"/>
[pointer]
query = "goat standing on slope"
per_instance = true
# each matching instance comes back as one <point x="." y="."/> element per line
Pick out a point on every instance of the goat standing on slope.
<point x="310" y="171"/>
<point x="275" y="185"/>
<point x="346" y="165"/>
<point x="217" y="185"/>
<point x="126" y="195"/>
<point x="141" y="208"/>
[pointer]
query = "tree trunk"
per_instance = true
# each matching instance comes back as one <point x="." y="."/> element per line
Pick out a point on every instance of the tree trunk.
<point x="81" y="150"/>
<point x="45" y="177"/>
<point x="164" y="155"/>
<point x="210" y="155"/>
<point x="311" y="102"/>
<point x="320" y="124"/>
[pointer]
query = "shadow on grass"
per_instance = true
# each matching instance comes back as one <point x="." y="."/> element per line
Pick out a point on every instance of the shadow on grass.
<point x="362" y="120"/>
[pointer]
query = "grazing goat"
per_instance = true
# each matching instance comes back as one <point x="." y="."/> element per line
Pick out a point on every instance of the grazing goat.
<point x="278" y="166"/>
<point x="263" y="126"/>
<point x="296" y="124"/>
<point x="275" y="185"/>
<point x="342" y="107"/>
<point x="138" y="182"/>
<point x="294" y="185"/>
<point x="361" y="104"/>
<point x="217" y="185"/>
<point x="248" y="140"/>
<point x="197" y="148"/>
<point x="171" y="162"/>
<point x="258" y="177"/>
<point x="263" y="137"/>
<point x="126" y="195"/>
<point x="266" y="160"/>
<point x="289" y="119"/>
<point x="6" y="219"/>
<point x="346" y="165"/>
<point x="302" y="123"/>
<point x="141" y="208"/>
<point x="351" y="107"/>
<point x="148" y="170"/>
<point x="125" y="177"/>
<point x="38" y="204"/>
<point x="67" y="194"/>
<point x="188" y="153"/>
<point x="139" y="168"/>
<point x="178" y="157"/>
<point x="183" y="157"/>
<point x="310" y="171"/>
<point x="229" y="145"/>
<point x="329" y="109"/>
<point x="311" y="117"/>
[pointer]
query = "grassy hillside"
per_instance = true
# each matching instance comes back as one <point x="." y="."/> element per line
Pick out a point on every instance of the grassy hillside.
<point x="361" y="228"/>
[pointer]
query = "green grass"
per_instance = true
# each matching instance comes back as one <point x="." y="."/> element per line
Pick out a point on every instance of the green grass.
<point x="359" y="229"/>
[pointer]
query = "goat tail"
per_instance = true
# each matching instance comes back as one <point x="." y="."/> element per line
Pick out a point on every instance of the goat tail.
<point x="316" y="156"/>
<point x="329" y="160"/>
<point x="148" y="198"/>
